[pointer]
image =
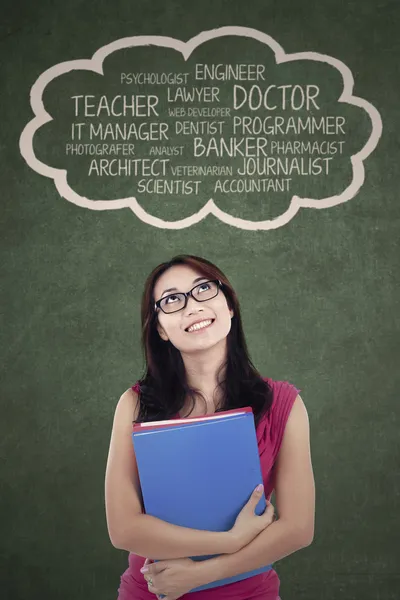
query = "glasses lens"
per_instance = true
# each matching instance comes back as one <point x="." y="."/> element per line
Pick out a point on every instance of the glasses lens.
<point x="205" y="291"/>
<point x="173" y="303"/>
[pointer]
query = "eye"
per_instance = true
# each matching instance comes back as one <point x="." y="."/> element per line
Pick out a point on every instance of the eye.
<point x="205" y="285"/>
<point x="172" y="297"/>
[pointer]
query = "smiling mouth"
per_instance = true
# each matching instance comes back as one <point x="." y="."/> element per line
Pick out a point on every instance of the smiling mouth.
<point x="200" y="326"/>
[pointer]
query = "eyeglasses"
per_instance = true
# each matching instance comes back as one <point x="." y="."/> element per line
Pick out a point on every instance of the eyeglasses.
<point x="201" y="292"/>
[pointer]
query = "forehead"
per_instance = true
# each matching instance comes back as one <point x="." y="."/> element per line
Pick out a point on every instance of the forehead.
<point x="180" y="277"/>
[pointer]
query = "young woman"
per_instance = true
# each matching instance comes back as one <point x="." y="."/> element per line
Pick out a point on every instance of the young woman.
<point x="197" y="363"/>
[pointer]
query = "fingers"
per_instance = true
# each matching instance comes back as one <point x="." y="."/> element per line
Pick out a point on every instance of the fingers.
<point x="152" y="568"/>
<point x="152" y="587"/>
<point x="256" y="495"/>
<point x="258" y="492"/>
<point x="269" y="513"/>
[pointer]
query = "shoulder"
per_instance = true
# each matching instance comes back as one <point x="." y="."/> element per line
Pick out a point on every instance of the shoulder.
<point x="280" y="386"/>
<point x="283" y="392"/>
<point x="127" y="407"/>
<point x="285" y="396"/>
<point x="289" y="414"/>
<point x="298" y="420"/>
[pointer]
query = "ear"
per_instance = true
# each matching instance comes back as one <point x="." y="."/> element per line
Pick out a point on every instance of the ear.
<point x="231" y="313"/>
<point x="162" y="333"/>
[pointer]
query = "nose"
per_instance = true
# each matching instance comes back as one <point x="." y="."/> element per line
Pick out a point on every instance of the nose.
<point x="192" y="306"/>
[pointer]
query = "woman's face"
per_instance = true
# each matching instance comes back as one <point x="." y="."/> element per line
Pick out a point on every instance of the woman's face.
<point x="173" y="326"/>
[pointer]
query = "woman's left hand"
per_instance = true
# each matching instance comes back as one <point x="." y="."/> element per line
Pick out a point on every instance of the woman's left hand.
<point x="171" y="578"/>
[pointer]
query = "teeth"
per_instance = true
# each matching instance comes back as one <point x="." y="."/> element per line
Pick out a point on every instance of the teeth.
<point x="200" y="325"/>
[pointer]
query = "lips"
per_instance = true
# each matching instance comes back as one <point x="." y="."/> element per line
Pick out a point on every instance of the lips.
<point x="198" y="323"/>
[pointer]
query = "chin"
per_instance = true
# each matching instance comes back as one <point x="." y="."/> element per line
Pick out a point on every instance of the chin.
<point x="205" y="344"/>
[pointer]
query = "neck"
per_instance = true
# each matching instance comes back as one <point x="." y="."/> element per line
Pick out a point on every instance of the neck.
<point x="201" y="373"/>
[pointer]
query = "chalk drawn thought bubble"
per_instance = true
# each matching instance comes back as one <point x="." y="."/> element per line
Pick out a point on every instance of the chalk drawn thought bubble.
<point x="226" y="124"/>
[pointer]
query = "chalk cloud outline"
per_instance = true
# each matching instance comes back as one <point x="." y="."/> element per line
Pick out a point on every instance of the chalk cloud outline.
<point x="95" y="64"/>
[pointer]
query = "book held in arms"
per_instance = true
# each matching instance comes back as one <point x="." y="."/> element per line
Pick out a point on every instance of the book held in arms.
<point x="199" y="472"/>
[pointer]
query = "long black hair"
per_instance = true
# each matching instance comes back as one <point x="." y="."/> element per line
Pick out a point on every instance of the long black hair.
<point x="164" y="387"/>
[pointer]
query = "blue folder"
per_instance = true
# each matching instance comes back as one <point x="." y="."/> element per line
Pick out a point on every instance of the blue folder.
<point x="200" y="474"/>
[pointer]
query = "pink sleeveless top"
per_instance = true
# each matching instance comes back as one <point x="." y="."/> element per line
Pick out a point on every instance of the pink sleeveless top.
<point x="259" y="587"/>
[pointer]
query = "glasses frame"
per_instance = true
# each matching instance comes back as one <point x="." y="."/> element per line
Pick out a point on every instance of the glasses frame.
<point x="187" y="294"/>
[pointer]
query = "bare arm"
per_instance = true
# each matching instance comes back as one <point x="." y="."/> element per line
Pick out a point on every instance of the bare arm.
<point x="128" y="527"/>
<point x="295" y="501"/>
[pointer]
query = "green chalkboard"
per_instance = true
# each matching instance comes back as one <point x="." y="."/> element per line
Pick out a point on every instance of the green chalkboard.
<point x="261" y="136"/>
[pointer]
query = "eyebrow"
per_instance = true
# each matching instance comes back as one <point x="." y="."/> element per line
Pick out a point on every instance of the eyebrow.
<point x="176" y="289"/>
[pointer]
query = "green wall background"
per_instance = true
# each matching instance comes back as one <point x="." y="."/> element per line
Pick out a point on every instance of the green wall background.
<point x="319" y="298"/>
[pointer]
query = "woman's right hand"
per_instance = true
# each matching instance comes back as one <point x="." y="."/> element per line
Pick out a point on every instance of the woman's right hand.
<point x="248" y="525"/>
